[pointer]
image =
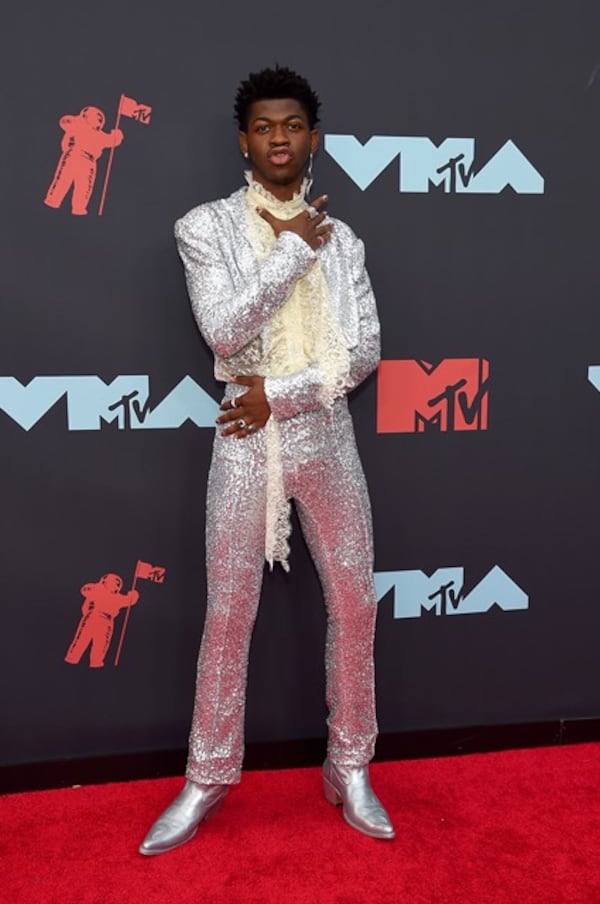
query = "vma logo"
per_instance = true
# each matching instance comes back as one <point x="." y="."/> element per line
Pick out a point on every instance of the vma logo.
<point x="423" y="163"/>
<point x="414" y="396"/>
<point x="444" y="592"/>
<point x="91" y="402"/>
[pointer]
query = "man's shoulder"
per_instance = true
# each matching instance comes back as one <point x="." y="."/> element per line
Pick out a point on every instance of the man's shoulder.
<point x="342" y="226"/>
<point x="203" y="216"/>
<point x="343" y="233"/>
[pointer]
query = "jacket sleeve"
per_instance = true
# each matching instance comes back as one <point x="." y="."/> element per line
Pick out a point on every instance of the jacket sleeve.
<point x="231" y="315"/>
<point x="294" y="393"/>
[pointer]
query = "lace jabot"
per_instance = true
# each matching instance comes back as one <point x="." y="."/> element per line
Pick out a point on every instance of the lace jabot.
<point x="303" y="333"/>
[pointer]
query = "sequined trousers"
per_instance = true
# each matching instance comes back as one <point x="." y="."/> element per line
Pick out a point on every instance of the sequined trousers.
<point x="323" y="474"/>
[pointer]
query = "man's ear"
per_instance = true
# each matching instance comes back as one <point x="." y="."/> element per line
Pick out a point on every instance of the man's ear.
<point x="315" y="138"/>
<point x="243" y="139"/>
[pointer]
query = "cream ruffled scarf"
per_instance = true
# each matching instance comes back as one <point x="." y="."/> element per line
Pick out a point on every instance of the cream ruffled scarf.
<point x="302" y="333"/>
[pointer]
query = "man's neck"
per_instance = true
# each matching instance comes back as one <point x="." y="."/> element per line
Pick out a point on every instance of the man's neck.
<point x="281" y="192"/>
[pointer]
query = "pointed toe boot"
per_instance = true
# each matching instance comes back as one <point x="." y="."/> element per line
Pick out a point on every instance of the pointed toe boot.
<point x="179" y="822"/>
<point x="350" y="786"/>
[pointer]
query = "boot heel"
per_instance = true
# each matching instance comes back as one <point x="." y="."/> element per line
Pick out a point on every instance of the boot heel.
<point x="331" y="795"/>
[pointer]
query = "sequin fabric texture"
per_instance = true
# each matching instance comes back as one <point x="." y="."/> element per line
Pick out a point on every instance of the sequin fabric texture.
<point x="233" y="297"/>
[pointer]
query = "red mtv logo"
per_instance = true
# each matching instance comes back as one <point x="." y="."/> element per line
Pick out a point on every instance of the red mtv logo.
<point x="415" y="396"/>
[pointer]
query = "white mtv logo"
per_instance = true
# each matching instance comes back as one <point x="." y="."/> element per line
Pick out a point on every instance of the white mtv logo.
<point x="423" y="163"/>
<point x="442" y="592"/>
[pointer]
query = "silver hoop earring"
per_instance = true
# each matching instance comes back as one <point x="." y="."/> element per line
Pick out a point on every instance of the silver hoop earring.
<point x="246" y="154"/>
<point x="309" y="173"/>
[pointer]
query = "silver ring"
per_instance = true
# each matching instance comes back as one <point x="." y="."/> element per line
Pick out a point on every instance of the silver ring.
<point x="312" y="212"/>
<point x="241" y="422"/>
<point x="250" y="426"/>
<point x="235" y="402"/>
<point x="321" y="240"/>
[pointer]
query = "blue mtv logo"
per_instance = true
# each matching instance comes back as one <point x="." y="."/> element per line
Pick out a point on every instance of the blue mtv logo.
<point x="443" y="592"/>
<point x="422" y="163"/>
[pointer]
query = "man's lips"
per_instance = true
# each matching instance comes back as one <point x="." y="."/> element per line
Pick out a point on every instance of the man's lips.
<point x="280" y="156"/>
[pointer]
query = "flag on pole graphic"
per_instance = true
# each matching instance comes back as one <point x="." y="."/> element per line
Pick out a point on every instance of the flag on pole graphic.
<point x="148" y="572"/>
<point x="130" y="107"/>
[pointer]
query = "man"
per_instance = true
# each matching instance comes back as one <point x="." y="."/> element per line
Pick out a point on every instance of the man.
<point x="280" y="294"/>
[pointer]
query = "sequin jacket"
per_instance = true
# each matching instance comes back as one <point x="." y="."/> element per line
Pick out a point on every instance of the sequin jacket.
<point x="233" y="295"/>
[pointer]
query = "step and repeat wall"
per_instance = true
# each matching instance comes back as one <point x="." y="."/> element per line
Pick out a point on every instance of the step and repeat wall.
<point x="462" y="143"/>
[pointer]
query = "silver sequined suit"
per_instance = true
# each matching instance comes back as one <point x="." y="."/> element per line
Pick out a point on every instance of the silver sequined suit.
<point x="232" y="297"/>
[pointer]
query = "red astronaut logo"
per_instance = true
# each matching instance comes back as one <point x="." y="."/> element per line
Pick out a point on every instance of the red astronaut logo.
<point x="103" y="601"/>
<point x="82" y="145"/>
<point x="414" y="396"/>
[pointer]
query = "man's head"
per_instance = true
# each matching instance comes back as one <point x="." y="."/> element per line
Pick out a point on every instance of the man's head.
<point x="277" y="112"/>
<point x="272" y="84"/>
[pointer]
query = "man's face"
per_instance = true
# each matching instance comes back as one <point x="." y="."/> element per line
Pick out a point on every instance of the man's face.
<point x="278" y="141"/>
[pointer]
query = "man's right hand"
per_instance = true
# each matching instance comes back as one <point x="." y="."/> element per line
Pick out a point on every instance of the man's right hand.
<point x="308" y="224"/>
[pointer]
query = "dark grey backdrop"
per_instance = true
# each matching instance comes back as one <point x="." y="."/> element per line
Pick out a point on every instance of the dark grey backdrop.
<point x="511" y="278"/>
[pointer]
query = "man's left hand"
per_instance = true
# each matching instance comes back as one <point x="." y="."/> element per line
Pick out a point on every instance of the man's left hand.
<point x="248" y="411"/>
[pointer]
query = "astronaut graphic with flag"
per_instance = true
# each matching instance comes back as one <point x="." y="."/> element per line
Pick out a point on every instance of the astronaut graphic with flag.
<point x="103" y="602"/>
<point x="82" y="145"/>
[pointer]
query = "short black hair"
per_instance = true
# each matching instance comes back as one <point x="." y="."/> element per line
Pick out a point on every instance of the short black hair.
<point x="269" y="84"/>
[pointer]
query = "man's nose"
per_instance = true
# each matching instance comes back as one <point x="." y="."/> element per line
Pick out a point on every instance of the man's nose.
<point x="279" y="135"/>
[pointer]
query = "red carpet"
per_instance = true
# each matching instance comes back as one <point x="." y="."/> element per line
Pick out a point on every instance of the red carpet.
<point x="506" y="828"/>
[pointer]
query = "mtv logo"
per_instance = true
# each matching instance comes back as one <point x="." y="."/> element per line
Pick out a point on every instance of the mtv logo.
<point x="443" y="592"/>
<point x="157" y="575"/>
<point x="414" y="396"/>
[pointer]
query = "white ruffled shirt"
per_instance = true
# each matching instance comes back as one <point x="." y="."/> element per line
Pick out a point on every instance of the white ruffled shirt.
<point x="302" y="333"/>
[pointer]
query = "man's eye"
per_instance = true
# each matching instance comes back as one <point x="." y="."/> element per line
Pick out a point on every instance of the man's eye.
<point x="263" y="128"/>
<point x="295" y="126"/>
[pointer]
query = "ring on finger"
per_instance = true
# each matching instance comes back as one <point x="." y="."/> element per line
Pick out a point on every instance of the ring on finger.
<point x="312" y="212"/>
<point x="321" y="240"/>
<point x="241" y="422"/>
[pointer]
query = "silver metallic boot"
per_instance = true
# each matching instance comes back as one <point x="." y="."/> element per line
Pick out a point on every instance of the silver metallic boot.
<point x="181" y="819"/>
<point x="350" y="786"/>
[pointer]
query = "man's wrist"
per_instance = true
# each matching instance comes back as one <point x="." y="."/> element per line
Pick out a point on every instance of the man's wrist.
<point x="298" y="242"/>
